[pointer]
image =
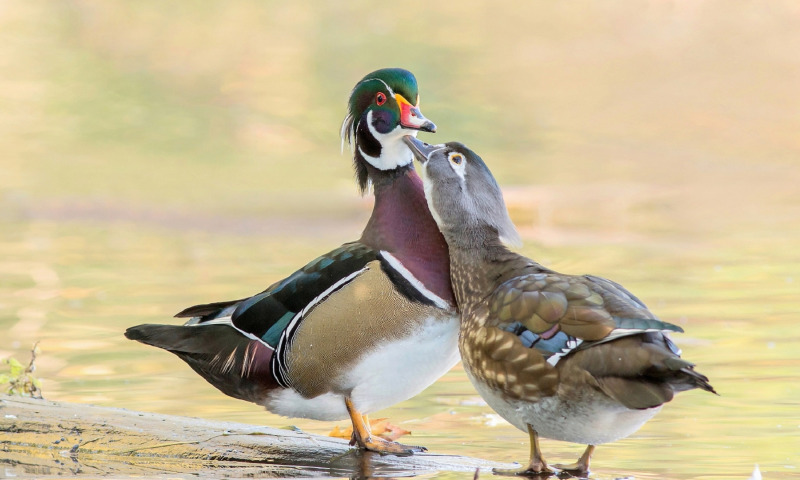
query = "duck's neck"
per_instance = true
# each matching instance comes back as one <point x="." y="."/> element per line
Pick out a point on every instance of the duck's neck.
<point x="402" y="225"/>
<point x="477" y="269"/>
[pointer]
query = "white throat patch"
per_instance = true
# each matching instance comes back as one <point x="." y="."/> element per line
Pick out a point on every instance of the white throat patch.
<point x="394" y="152"/>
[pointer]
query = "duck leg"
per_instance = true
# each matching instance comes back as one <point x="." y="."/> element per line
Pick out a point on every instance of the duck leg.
<point x="363" y="436"/>
<point x="581" y="467"/>
<point x="365" y="419"/>
<point x="537" y="467"/>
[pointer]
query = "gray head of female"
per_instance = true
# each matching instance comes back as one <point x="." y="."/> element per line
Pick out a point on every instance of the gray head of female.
<point x="463" y="196"/>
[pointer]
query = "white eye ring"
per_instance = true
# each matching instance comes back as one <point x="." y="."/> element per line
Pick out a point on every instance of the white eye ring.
<point x="456" y="158"/>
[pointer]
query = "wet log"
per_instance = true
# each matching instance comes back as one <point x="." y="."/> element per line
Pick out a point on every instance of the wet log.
<point x="40" y="437"/>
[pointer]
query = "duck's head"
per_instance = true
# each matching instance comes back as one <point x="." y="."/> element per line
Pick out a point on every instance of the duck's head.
<point x="462" y="195"/>
<point x="383" y="108"/>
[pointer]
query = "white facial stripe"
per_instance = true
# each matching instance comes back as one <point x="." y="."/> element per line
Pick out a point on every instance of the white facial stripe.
<point x="391" y="92"/>
<point x="348" y="119"/>
<point x="394" y="152"/>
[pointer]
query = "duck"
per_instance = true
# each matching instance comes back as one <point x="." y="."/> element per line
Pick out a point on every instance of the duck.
<point x="360" y="328"/>
<point x="576" y="358"/>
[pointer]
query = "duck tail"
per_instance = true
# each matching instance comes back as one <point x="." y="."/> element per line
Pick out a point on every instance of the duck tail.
<point x="686" y="377"/>
<point x="237" y="365"/>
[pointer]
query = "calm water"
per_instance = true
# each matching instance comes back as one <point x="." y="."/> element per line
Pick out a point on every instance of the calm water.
<point x="159" y="157"/>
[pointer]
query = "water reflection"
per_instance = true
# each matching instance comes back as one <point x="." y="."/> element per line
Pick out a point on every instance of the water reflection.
<point x="154" y="158"/>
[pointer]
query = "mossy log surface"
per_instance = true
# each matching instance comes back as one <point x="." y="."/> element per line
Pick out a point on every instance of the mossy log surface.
<point x="42" y="438"/>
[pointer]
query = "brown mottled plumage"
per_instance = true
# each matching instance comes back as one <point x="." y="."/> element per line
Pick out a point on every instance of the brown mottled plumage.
<point x="569" y="357"/>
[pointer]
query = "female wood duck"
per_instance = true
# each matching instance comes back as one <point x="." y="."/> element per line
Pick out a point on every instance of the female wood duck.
<point x="360" y="328"/>
<point x="573" y="358"/>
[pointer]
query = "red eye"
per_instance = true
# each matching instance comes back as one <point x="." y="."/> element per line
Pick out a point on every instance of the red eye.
<point x="380" y="98"/>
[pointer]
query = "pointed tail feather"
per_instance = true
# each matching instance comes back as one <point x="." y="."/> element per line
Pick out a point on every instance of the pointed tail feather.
<point x="686" y="378"/>
<point x="700" y="380"/>
<point x="640" y="371"/>
<point x="236" y="365"/>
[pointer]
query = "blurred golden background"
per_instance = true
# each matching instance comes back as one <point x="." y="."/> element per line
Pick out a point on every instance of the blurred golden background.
<point x="157" y="155"/>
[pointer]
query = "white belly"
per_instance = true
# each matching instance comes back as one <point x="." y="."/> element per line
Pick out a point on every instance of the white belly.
<point x="593" y="419"/>
<point x="387" y="375"/>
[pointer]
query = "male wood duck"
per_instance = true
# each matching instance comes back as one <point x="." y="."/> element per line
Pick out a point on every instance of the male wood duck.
<point x="567" y="357"/>
<point x="360" y="328"/>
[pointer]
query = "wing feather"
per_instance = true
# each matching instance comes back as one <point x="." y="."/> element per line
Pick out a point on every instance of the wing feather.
<point x="267" y="314"/>
<point x="557" y="314"/>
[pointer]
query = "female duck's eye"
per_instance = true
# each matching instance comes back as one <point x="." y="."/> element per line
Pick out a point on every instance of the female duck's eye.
<point x="380" y="98"/>
<point x="456" y="158"/>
